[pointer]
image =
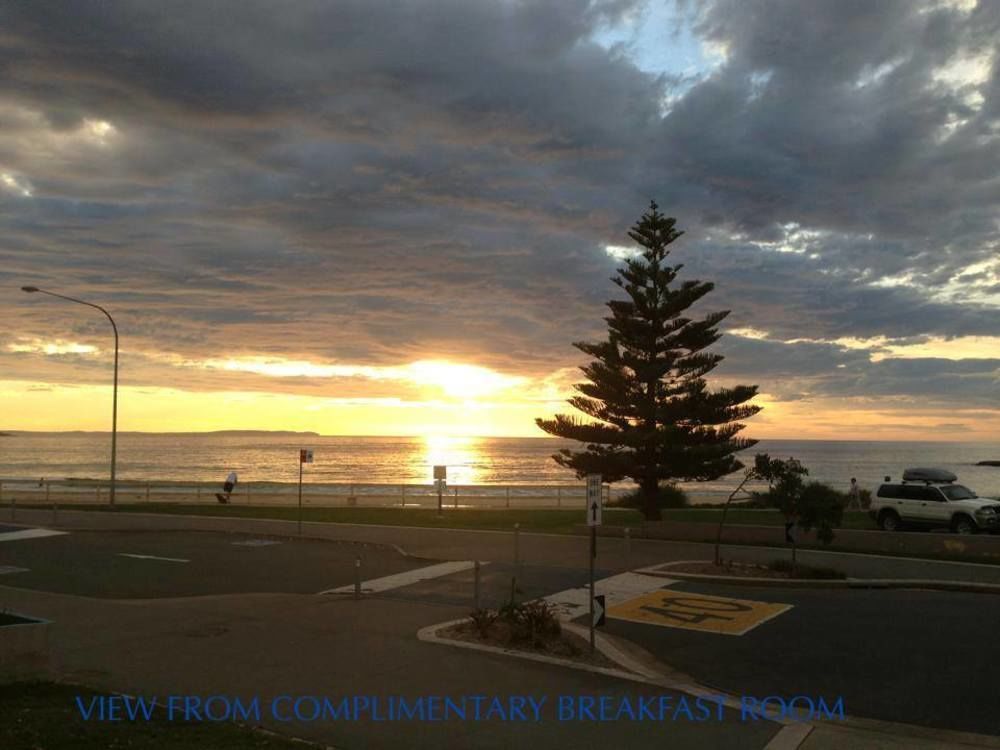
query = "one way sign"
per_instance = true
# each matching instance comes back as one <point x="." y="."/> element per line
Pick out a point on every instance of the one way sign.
<point x="593" y="499"/>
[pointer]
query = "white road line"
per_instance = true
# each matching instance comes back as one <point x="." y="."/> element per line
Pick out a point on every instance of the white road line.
<point x="405" y="579"/>
<point x="153" y="557"/>
<point x="5" y="569"/>
<point x="790" y="737"/>
<point x="13" y="536"/>
<point x="617" y="589"/>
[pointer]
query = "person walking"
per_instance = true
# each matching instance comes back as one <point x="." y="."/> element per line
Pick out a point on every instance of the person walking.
<point x="854" y="495"/>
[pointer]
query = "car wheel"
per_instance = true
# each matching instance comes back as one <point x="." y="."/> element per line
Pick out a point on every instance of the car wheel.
<point x="963" y="525"/>
<point x="889" y="521"/>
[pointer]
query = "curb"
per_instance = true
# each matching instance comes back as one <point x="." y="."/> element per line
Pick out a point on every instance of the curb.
<point x="802" y="583"/>
<point x="429" y="634"/>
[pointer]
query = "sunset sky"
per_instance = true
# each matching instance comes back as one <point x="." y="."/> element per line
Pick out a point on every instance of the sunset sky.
<point x="394" y="218"/>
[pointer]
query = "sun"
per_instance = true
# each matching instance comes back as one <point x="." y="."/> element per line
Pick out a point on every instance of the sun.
<point x="460" y="381"/>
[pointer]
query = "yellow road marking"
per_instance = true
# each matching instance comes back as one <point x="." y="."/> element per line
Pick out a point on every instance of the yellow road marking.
<point x="712" y="614"/>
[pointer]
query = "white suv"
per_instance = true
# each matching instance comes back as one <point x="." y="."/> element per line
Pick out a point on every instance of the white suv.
<point x="929" y="498"/>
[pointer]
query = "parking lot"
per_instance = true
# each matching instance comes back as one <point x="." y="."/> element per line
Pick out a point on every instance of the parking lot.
<point x="154" y="564"/>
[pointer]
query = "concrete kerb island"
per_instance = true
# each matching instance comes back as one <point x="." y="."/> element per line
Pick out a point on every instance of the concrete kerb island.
<point x="24" y="647"/>
<point x="665" y="571"/>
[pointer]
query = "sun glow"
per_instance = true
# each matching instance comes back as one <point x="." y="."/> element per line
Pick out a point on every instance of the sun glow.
<point x="450" y="379"/>
<point x="460" y="454"/>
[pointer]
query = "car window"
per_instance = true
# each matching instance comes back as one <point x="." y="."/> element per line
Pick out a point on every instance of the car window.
<point x="889" y="490"/>
<point x="958" y="492"/>
<point x="912" y="492"/>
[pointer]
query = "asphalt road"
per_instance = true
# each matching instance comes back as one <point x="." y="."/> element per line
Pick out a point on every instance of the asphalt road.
<point x="125" y="565"/>
<point x="911" y="656"/>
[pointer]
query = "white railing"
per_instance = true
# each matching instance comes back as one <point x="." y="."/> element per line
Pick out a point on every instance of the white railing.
<point x="93" y="492"/>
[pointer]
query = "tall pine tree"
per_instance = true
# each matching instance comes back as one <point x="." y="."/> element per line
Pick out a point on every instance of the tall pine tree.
<point x="652" y="416"/>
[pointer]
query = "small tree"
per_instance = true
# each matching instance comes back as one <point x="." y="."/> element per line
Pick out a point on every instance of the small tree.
<point x="651" y="415"/>
<point x="811" y="505"/>
<point x="749" y="474"/>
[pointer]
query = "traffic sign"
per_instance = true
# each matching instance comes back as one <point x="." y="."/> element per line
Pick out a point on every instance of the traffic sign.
<point x="593" y="499"/>
<point x="305" y="456"/>
<point x="599" y="609"/>
<point x="440" y="472"/>
<point x="790" y="532"/>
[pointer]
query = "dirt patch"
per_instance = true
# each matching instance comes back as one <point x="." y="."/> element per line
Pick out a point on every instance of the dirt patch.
<point x="563" y="646"/>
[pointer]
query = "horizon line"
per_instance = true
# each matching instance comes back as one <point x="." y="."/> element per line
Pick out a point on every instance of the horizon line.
<point x="311" y="433"/>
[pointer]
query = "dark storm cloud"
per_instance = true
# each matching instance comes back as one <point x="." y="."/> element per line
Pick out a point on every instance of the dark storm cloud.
<point x="379" y="182"/>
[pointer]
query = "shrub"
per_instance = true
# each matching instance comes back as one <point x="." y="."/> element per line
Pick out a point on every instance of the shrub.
<point x="483" y="619"/>
<point x="669" y="496"/>
<point x="533" y="623"/>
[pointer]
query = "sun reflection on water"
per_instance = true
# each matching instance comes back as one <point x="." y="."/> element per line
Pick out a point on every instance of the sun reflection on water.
<point x="462" y="455"/>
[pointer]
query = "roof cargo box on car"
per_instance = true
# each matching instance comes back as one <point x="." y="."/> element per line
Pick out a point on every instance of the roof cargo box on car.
<point x="928" y="475"/>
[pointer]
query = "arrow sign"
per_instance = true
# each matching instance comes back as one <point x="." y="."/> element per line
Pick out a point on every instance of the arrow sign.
<point x="788" y="532"/>
<point x="593" y="499"/>
<point x="599" y="610"/>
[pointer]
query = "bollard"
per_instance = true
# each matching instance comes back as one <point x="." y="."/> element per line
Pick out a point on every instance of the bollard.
<point x="46" y="492"/>
<point x="55" y="513"/>
<point x="456" y="495"/>
<point x="13" y="507"/>
<point x="628" y="544"/>
<point x="558" y="497"/>
<point x="517" y="545"/>
<point x="475" y="589"/>
<point x="198" y="497"/>
<point x="357" y="578"/>
<point x="98" y="494"/>
<point x="147" y="492"/>
<point x="513" y="589"/>
<point x="402" y="495"/>
<point x="508" y="497"/>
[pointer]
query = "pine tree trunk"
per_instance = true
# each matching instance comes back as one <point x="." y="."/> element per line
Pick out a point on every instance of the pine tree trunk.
<point x="650" y="506"/>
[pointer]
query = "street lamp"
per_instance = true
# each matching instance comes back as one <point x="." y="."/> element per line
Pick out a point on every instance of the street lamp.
<point x="114" y="403"/>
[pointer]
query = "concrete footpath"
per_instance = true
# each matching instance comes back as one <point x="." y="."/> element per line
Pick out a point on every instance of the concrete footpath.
<point x="531" y="548"/>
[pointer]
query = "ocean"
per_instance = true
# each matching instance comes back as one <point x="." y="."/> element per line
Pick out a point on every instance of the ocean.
<point x="273" y="458"/>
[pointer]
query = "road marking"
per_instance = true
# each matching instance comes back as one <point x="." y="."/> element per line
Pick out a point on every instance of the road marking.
<point x="257" y="543"/>
<point x="5" y="569"/>
<point x="789" y="737"/>
<point x="689" y="611"/>
<point x="153" y="557"/>
<point x="406" y="578"/>
<point x="617" y="589"/>
<point x="14" y="536"/>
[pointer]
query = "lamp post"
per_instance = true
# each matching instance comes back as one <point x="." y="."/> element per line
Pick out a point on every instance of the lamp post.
<point x="114" y="402"/>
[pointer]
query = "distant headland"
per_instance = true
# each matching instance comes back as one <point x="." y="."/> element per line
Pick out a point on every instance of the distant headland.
<point x="216" y="433"/>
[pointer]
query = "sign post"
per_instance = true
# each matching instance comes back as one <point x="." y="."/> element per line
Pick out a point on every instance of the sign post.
<point x="593" y="509"/>
<point x="440" y="480"/>
<point x="305" y="457"/>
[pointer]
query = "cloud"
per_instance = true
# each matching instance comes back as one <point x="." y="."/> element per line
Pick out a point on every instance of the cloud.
<point x="379" y="185"/>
